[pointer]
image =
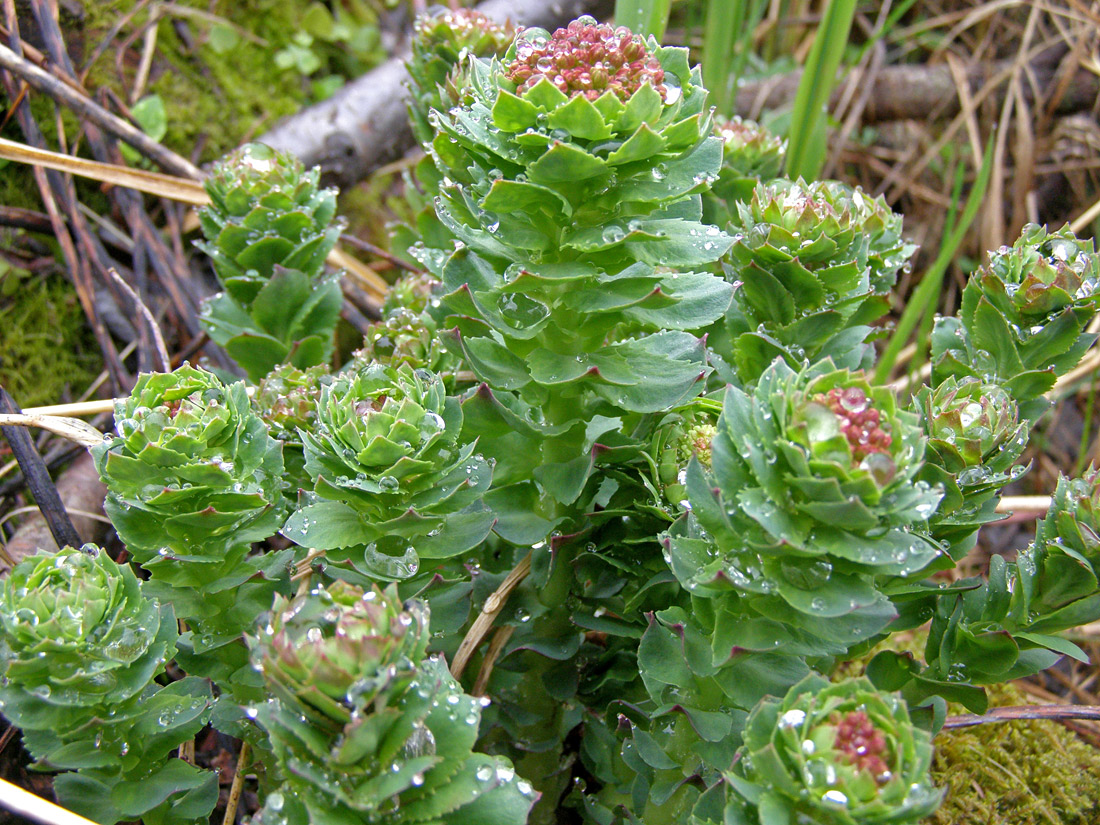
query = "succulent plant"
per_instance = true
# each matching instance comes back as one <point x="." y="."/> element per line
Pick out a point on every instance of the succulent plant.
<point x="192" y="471"/>
<point x="1058" y="573"/>
<point x="812" y="264"/>
<point x="268" y="230"/>
<point x="287" y="401"/>
<point x="388" y="467"/>
<point x="193" y="478"/>
<point x="402" y="337"/>
<point x="364" y="728"/>
<point x="835" y="754"/>
<point x="80" y="645"/>
<point x="975" y="438"/>
<point x="440" y="42"/>
<point x="573" y="189"/>
<point x="750" y="155"/>
<point x="812" y="494"/>
<point x="1022" y="319"/>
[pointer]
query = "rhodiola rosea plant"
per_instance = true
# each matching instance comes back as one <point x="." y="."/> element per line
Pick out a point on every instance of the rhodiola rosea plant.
<point x="588" y="527"/>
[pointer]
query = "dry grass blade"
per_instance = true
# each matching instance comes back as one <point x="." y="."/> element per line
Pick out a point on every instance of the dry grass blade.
<point x="493" y="605"/>
<point x="152" y="183"/>
<point x="26" y="804"/>
<point x="71" y="428"/>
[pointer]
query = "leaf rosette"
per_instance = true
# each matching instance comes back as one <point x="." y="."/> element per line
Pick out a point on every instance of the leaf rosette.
<point x="76" y="635"/>
<point x="1022" y="318"/>
<point x="812" y="494"/>
<point x="440" y="42"/>
<point x="975" y="438"/>
<point x="192" y="472"/>
<point x="812" y="263"/>
<point x="1058" y="574"/>
<point x="388" y="466"/>
<point x="750" y="155"/>
<point x="80" y="647"/>
<point x="268" y="230"/>
<point x="835" y="754"/>
<point x="363" y="728"/>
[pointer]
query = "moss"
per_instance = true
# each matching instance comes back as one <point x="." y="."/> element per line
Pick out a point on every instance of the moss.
<point x="46" y="351"/>
<point x="1005" y="773"/>
<point x="216" y="99"/>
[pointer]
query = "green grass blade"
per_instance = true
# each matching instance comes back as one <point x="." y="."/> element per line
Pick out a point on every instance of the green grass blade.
<point x="718" y="49"/>
<point x="806" y="154"/>
<point x="727" y="44"/>
<point x="643" y="17"/>
<point x="925" y="294"/>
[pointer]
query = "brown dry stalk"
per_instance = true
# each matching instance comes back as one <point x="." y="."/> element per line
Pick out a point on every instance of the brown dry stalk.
<point x="237" y="786"/>
<point x="489" y="612"/>
<point x="496" y="645"/>
<point x="1008" y="714"/>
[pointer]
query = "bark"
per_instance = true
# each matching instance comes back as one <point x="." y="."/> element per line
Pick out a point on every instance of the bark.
<point x="365" y="125"/>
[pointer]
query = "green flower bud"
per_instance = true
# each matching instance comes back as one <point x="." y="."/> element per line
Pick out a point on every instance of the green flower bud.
<point x="412" y="292"/>
<point x="1022" y="320"/>
<point x="1040" y="275"/>
<point x="192" y="471"/>
<point x="811" y="496"/>
<point x="287" y="401"/>
<point x="971" y="424"/>
<point x="362" y="728"/>
<point x="268" y="231"/>
<point x="837" y="754"/>
<point x="975" y="439"/>
<point x="386" y="459"/>
<point x="811" y="263"/>
<point x="751" y="155"/>
<point x="402" y="338"/>
<point x="76" y="636"/>
<point x="675" y="445"/>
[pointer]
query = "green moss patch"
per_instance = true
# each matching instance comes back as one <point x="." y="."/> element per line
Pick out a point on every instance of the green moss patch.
<point x="46" y="350"/>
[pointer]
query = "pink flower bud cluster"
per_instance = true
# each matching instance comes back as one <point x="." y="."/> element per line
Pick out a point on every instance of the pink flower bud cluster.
<point x="590" y="59"/>
<point x="464" y="27"/>
<point x="737" y="132"/>
<point x="862" y="744"/>
<point x="859" y="421"/>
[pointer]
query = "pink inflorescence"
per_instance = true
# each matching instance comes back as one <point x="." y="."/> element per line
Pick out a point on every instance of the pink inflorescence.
<point x="588" y="58"/>
<point x="464" y="24"/>
<point x="862" y="744"/>
<point x="859" y="421"/>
